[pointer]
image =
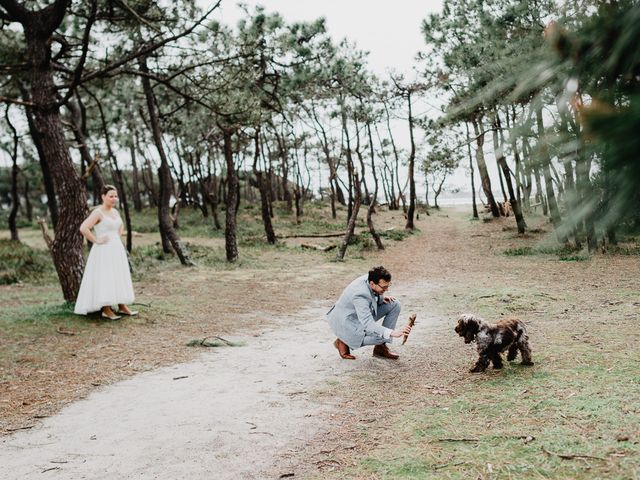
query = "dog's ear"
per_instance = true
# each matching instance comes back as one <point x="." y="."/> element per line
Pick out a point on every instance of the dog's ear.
<point x="460" y="326"/>
<point x="470" y="336"/>
<point x="472" y="328"/>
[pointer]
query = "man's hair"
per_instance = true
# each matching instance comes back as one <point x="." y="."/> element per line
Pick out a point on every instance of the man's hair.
<point x="379" y="273"/>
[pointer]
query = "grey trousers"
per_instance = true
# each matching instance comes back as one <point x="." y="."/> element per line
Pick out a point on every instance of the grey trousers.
<point x="390" y="311"/>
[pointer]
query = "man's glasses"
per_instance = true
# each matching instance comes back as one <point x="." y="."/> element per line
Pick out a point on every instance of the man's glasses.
<point x="384" y="287"/>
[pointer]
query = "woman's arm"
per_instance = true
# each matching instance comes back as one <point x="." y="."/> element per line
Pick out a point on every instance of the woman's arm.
<point x="88" y="224"/>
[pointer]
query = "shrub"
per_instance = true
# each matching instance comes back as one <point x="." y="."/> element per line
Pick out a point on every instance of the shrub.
<point x="20" y="263"/>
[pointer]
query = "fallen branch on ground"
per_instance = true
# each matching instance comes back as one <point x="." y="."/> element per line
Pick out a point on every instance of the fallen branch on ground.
<point x="65" y="332"/>
<point x="313" y="235"/>
<point x="218" y="342"/>
<point x="457" y="440"/>
<point x="570" y="456"/>
<point x="317" y="247"/>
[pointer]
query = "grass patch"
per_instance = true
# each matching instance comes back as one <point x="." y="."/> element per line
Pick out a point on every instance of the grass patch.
<point x="623" y="250"/>
<point x="20" y="263"/>
<point x="563" y="252"/>
<point x="396" y="235"/>
<point x="573" y="415"/>
<point x="520" y="424"/>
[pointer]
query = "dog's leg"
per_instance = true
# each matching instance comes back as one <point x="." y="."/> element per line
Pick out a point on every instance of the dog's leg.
<point x="496" y="359"/>
<point x="525" y="350"/>
<point x="513" y="352"/>
<point x="481" y="365"/>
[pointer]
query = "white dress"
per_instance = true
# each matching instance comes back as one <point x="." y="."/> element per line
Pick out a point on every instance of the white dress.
<point x="106" y="279"/>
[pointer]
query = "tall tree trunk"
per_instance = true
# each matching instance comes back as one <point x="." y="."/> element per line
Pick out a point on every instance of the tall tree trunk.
<point x="374" y="197"/>
<point x="164" y="173"/>
<point x="396" y="163"/>
<point x="284" y="158"/>
<point x="546" y="170"/>
<point x="482" y="168"/>
<point x="350" y="167"/>
<point x="412" y="160"/>
<point x="527" y="181"/>
<point x="213" y="189"/>
<point x="387" y="179"/>
<point x="263" y="188"/>
<point x="502" y="162"/>
<point x="47" y="178"/>
<point x="570" y="184"/>
<point x="15" y="199"/>
<point x="135" y="181"/>
<point x="363" y="170"/>
<point x="66" y="248"/>
<point x="27" y="200"/>
<point x="351" y="225"/>
<point x="230" y="231"/>
<point x="473" y="181"/>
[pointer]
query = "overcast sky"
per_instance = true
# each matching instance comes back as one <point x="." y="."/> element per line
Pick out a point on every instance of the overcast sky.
<point x="388" y="30"/>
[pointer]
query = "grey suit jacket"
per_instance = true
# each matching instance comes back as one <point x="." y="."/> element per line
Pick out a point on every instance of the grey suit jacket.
<point x="355" y="313"/>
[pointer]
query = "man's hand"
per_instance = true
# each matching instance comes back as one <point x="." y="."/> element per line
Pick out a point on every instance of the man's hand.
<point x="399" y="332"/>
<point x="388" y="299"/>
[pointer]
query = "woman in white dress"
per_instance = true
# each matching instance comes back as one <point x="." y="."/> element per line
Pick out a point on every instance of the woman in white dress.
<point x="106" y="280"/>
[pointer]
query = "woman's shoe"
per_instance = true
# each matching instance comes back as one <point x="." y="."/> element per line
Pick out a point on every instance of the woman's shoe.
<point x="129" y="314"/>
<point x="110" y="317"/>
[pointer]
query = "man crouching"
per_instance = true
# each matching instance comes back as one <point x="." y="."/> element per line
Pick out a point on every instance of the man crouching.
<point x="353" y="317"/>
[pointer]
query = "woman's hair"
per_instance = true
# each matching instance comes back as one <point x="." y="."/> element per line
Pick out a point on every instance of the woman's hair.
<point x="107" y="188"/>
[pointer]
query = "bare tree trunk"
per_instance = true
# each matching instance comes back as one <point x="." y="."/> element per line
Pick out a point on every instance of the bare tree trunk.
<point x="367" y="198"/>
<point x="27" y="200"/>
<point x="15" y="199"/>
<point x="66" y="248"/>
<point x="230" y="235"/>
<point x="473" y="181"/>
<point x="167" y="231"/>
<point x="135" y="181"/>
<point x="571" y="194"/>
<point x="284" y="158"/>
<point x="397" y="162"/>
<point x="527" y="182"/>
<point x="47" y="178"/>
<point x="482" y="167"/>
<point x="263" y="188"/>
<point x="387" y="183"/>
<point x="502" y="162"/>
<point x="553" y="206"/>
<point x="350" y="167"/>
<point x="212" y="188"/>
<point x="374" y="197"/>
<point x="351" y="225"/>
<point x="412" y="160"/>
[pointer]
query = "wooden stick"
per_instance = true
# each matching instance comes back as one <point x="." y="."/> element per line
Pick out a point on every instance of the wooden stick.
<point x="45" y="232"/>
<point x="412" y="321"/>
<point x="317" y="247"/>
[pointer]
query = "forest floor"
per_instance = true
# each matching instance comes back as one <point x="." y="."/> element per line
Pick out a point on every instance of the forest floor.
<point x="82" y="397"/>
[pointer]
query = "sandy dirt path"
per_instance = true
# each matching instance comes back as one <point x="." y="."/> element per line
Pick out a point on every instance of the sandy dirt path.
<point x="235" y="412"/>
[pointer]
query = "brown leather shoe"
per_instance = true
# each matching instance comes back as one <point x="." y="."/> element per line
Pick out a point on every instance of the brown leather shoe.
<point x="383" y="351"/>
<point x="343" y="349"/>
